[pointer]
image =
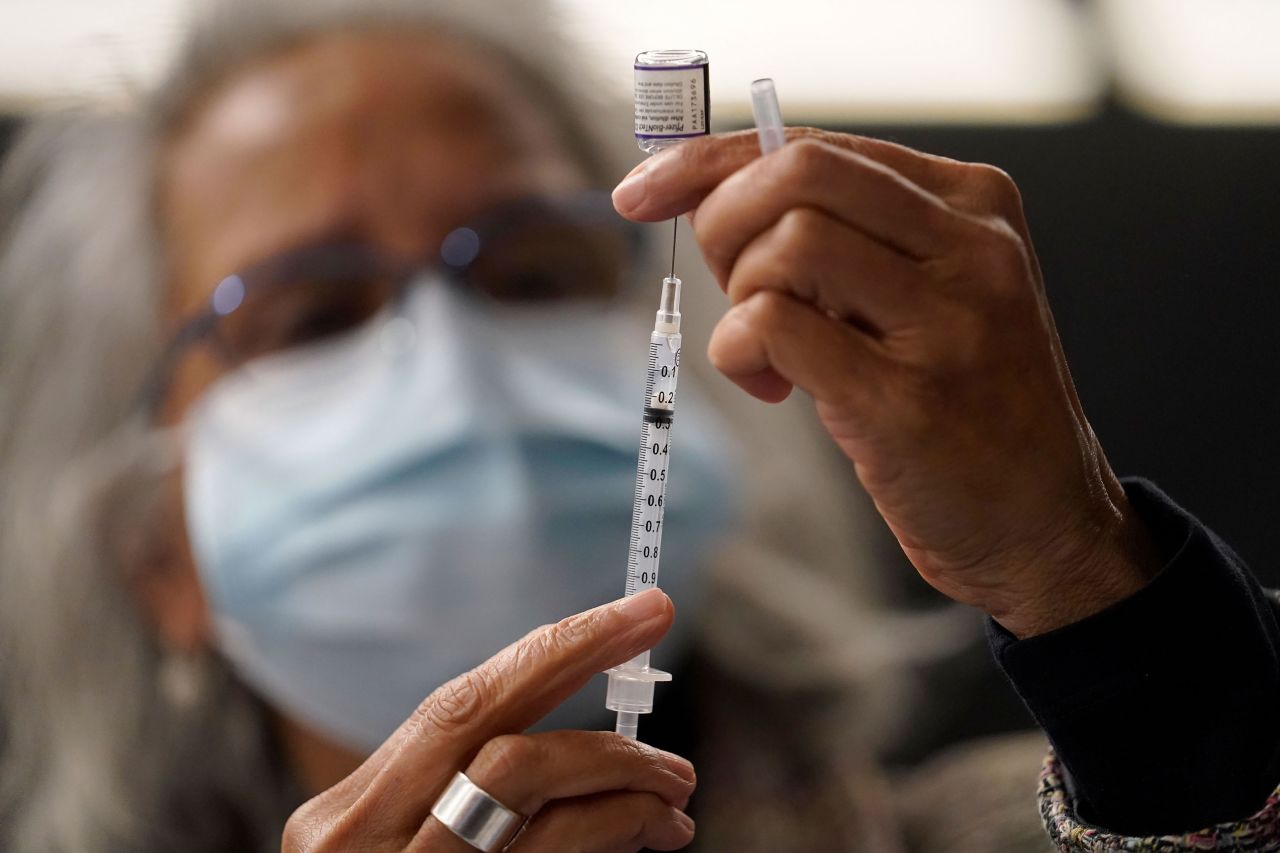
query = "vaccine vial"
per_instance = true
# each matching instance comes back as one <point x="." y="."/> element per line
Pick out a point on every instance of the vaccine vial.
<point x="672" y="97"/>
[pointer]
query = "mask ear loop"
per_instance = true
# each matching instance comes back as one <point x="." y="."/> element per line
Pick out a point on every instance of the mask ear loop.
<point x="118" y="482"/>
<point x="120" y="492"/>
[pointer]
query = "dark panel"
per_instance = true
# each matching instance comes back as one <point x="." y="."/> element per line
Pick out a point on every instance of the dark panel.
<point x="8" y="126"/>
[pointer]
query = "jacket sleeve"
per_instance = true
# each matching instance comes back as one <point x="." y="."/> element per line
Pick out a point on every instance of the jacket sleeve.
<point x="1162" y="710"/>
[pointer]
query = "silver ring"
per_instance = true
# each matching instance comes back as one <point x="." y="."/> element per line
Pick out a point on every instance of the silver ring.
<point x="470" y="813"/>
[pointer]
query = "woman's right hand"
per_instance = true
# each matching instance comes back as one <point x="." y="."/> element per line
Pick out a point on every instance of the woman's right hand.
<point x="901" y="291"/>
<point x="587" y="791"/>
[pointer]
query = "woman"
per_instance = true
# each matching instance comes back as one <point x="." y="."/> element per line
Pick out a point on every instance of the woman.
<point x="321" y="158"/>
<point x="355" y="385"/>
<point x="220" y="653"/>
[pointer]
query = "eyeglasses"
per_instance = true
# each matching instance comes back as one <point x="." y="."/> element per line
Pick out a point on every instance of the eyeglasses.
<point x="533" y="249"/>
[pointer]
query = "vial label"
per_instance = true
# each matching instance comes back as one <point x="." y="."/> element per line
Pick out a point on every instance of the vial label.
<point x="671" y="102"/>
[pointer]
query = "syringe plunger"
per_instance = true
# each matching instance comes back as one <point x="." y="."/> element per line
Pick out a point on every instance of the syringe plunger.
<point x="628" y="724"/>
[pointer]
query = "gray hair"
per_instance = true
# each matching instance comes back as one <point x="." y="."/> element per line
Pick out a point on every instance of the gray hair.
<point x="98" y="752"/>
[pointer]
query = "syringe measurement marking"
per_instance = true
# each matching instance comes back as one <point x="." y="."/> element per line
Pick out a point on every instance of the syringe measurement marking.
<point x="649" y="497"/>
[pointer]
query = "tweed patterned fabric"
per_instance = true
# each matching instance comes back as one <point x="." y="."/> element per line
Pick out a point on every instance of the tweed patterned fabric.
<point x="1255" y="834"/>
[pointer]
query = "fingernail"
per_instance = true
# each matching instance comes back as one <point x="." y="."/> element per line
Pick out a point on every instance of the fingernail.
<point x="629" y="194"/>
<point x="643" y="606"/>
<point x="683" y="819"/>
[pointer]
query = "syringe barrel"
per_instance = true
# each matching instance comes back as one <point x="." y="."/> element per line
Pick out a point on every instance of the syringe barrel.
<point x="649" y="497"/>
<point x="631" y="687"/>
<point x="631" y="695"/>
<point x="630" y="690"/>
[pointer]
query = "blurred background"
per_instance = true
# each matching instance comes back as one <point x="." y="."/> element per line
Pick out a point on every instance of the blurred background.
<point x="1145" y="135"/>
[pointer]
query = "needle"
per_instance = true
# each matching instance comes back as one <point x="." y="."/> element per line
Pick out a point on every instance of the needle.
<point x="675" y="223"/>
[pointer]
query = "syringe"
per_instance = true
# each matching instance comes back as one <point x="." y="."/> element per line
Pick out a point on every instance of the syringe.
<point x="671" y="105"/>
<point x="631" y="684"/>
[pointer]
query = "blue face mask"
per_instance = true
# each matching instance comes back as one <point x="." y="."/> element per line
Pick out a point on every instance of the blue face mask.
<point x="376" y="515"/>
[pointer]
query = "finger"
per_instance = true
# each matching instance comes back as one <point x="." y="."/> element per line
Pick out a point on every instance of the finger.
<point x="526" y="680"/>
<point x="606" y="823"/>
<point x="853" y="189"/>
<point x="524" y="772"/>
<point x="832" y="360"/>
<point x="837" y="269"/>
<point x="678" y="179"/>
<point x="765" y="385"/>
<point x="507" y="693"/>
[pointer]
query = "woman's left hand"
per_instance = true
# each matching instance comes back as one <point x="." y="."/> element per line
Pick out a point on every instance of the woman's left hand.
<point x="583" y="791"/>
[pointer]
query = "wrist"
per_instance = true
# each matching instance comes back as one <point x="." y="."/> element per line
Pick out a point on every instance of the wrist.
<point x="1084" y="572"/>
